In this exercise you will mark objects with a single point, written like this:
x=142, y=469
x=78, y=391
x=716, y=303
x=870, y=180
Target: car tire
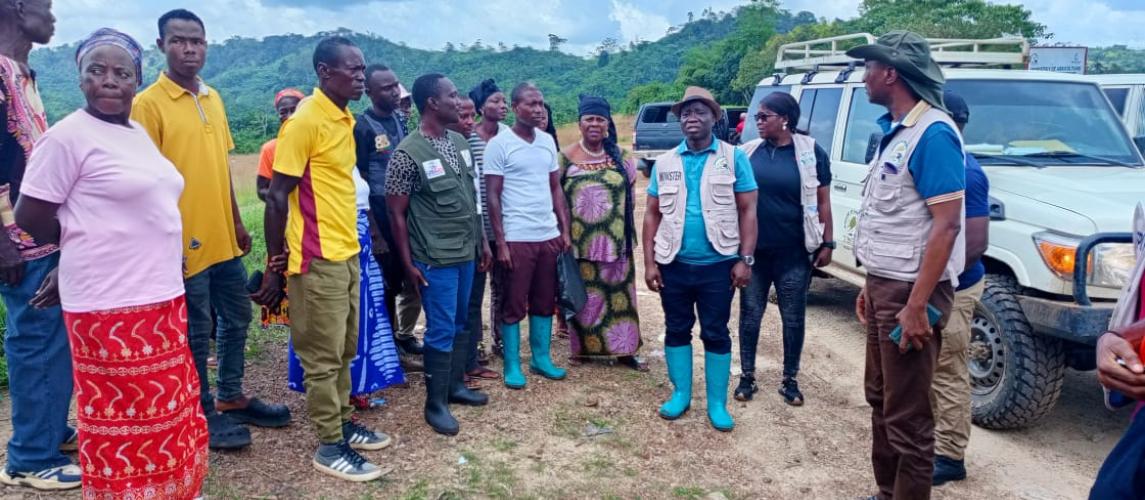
x=1015, y=374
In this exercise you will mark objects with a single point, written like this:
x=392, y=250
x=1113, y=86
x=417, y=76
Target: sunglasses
x=762, y=117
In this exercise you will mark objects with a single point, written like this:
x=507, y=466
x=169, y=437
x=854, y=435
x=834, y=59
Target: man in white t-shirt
x=531, y=227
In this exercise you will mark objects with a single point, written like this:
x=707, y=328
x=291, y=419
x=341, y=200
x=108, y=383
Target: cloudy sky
x=432, y=23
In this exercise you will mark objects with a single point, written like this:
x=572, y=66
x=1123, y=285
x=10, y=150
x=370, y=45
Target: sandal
x=483, y=373
x=634, y=362
x=471, y=383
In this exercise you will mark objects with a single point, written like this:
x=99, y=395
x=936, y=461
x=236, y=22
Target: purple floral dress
x=609, y=325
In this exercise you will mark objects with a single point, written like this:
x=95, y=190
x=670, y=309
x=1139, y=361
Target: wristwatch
x=748, y=259
x=828, y=244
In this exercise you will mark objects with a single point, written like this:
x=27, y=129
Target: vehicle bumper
x=1067, y=320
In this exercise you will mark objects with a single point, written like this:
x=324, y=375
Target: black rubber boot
x=437, y=381
x=458, y=393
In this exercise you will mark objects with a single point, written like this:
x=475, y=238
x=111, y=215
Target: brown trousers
x=898, y=390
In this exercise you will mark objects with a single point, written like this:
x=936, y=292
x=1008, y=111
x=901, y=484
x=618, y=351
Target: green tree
x=947, y=19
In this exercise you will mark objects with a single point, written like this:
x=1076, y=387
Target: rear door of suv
x=657, y=128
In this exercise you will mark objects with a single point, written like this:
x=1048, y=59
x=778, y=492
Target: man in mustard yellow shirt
x=186, y=119
x=311, y=210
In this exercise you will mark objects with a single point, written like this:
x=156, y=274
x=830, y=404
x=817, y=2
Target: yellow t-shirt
x=317, y=146
x=192, y=131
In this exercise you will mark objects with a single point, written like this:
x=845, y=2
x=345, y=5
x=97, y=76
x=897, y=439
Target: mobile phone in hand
x=932, y=316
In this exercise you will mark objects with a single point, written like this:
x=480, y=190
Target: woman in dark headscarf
x=598, y=179
x=492, y=108
x=141, y=429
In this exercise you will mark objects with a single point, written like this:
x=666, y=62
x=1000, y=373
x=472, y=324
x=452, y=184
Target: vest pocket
x=886, y=195
x=723, y=190
x=727, y=233
x=451, y=238
x=446, y=195
x=669, y=199
x=898, y=257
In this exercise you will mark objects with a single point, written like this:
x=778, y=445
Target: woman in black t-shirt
x=781, y=257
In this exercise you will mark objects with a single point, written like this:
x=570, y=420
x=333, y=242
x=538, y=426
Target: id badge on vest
x=433, y=168
x=382, y=143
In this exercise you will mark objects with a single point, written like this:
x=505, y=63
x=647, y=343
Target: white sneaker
x=64, y=477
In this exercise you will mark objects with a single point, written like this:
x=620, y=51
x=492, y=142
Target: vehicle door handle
x=840, y=187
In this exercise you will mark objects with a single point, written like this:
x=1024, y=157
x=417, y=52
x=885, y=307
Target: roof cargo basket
x=814, y=55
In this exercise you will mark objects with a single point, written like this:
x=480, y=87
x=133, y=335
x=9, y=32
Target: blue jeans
x=446, y=302
x=790, y=271
x=39, y=373
x=706, y=291
x=222, y=287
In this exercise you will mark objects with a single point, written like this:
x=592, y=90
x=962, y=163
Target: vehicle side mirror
x=1140, y=142
x=873, y=145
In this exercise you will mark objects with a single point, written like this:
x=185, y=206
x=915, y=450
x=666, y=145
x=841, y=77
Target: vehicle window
x=1047, y=123
x=861, y=123
x=1139, y=130
x=658, y=114
x=750, y=132
x=806, y=103
x=1118, y=97
x=821, y=124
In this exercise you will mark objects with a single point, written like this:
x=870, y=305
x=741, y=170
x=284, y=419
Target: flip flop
x=483, y=373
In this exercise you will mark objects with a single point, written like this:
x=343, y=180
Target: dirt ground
x=547, y=442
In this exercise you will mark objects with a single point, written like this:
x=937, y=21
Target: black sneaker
x=411, y=345
x=226, y=434
x=64, y=477
x=361, y=438
x=746, y=388
x=259, y=414
x=341, y=461
x=790, y=392
x=947, y=469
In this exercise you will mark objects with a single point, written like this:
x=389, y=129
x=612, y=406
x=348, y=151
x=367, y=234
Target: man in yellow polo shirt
x=311, y=210
x=186, y=119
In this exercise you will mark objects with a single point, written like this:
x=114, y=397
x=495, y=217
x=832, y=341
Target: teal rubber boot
x=511, y=341
x=679, y=360
x=540, y=340
x=717, y=370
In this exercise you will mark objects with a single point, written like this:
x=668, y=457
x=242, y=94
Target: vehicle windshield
x=1045, y=123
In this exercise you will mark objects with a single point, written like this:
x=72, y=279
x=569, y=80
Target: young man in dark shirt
x=377, y=133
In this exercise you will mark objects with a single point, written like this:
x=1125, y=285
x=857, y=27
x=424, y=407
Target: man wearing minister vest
x=909, y=240
x=699, y=234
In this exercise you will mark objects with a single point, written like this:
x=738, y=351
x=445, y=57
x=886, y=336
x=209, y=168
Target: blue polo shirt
x=937, y=164
x=977, y=205
x=695, y=248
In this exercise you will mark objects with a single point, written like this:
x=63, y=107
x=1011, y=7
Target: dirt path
x=540, y=442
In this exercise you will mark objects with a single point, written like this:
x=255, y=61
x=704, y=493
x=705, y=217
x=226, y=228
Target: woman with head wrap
x=285, y=102
x=598, y=178
x=492, y=108
x=97, y=184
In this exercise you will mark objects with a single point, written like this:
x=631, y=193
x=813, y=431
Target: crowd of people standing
x=373, y=219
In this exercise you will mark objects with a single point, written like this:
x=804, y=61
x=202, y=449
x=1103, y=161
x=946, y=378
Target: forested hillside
x=727, y=52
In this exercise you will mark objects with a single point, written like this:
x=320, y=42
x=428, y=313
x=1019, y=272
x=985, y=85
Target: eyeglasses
x=762, y=117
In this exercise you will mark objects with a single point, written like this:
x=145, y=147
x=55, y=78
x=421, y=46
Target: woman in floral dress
x=598, y=179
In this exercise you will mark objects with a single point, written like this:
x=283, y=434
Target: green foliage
x=1116, y=59
x=947, y=19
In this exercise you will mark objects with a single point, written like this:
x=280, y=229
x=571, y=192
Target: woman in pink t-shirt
x=97, y=184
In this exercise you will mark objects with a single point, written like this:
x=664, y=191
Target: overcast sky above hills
x=430, y=24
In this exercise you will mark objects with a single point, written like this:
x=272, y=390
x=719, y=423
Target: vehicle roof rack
x=815, y=55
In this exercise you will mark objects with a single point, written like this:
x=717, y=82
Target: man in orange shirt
x=285, y=102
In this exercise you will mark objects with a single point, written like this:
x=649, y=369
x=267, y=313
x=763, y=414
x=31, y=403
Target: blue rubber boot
x=540, y=338
x=679, y=361
x=511, y=341
x=717, y=370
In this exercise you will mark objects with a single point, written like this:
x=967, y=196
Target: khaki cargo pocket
x=723, y=190
x=727, y=234
x=886, y=195
x=899, y=257
x=669, y=199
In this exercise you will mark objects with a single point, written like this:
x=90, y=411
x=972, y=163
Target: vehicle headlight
x=1109, y=264
x=1112, y=265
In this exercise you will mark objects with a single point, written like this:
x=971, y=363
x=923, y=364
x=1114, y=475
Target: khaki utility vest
x=808, y=183
x=894, y=220
x=717, y=199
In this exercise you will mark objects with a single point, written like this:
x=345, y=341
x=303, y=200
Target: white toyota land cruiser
x=1064, y=180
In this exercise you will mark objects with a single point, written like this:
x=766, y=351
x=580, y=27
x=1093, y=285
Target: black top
x=780, y=208
x=371, y=160
x=11, y=155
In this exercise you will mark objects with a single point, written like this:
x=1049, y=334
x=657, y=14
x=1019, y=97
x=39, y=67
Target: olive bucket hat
x=909, y=54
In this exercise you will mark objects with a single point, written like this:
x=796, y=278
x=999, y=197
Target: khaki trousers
x=950, y=393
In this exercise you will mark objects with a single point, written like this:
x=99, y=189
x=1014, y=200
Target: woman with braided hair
x=597, y=178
